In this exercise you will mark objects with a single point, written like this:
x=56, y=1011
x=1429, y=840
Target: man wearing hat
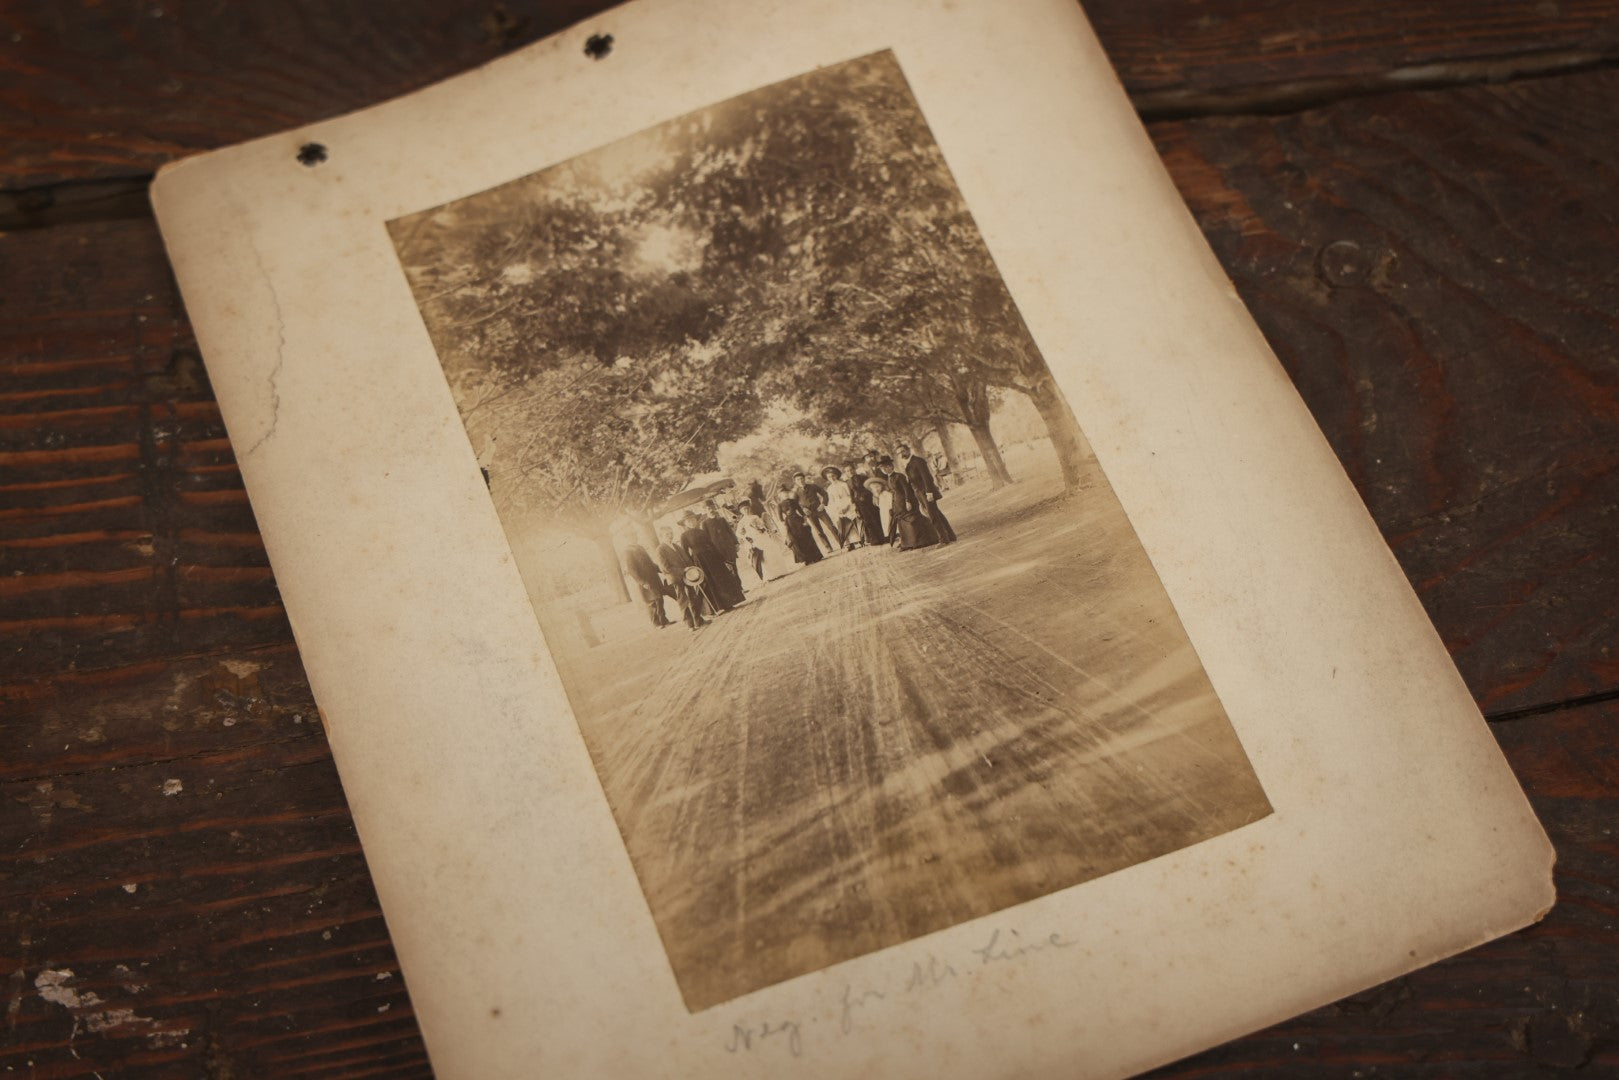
x=673, y=560
x=927, y=491
x=722, y=591
x=648, y=580
x=723, y=537
x=811, y=497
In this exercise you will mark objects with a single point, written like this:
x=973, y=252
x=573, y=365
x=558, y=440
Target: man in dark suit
x=811, y=497
x=723, y=537
x=927, y=491
x=649, y=581
x=722, y=592
x=673, y=560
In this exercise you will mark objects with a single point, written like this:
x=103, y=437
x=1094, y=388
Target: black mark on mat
x=311, y=154
x=598, y=46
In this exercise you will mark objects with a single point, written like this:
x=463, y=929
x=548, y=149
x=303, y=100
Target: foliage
x=789, y=441
x=607, y=324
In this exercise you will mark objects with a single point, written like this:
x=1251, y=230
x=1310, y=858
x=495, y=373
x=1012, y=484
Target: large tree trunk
x=949, y=449
x=1066, y=438
x=916, y=438
x=974, y=401
x=998, y=476
x=610, y=564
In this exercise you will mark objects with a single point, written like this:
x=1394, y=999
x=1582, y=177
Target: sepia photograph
x=860, y=640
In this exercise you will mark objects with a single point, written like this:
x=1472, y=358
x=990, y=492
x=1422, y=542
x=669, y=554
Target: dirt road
x=889, y=743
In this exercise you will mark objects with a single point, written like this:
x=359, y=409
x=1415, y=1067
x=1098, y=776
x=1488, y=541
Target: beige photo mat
x=888, y=735
x=1398, y=833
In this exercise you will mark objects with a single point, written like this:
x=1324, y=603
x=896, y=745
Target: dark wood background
x=1419, y=203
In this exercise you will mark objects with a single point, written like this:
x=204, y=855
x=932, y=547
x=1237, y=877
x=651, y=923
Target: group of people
x=873, y=501
x=697, y=568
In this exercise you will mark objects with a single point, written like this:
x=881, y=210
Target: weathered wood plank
x=179, y=843
x=1459, y=356
x=1535, y=1003
x=1212, y=56
x=1467, y=378
x=1436, y=273
x=124, y=530
x=92, y=91
x=235, y=920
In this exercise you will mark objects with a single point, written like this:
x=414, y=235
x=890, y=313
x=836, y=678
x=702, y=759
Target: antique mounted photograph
x=860, y=641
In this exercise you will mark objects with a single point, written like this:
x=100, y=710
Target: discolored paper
x=1162, y=749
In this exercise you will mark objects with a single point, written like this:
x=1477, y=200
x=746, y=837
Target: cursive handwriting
x=851, y=1003
x=1002, y=947
x=742, y=1037
x=934, y=972
x=994, y=950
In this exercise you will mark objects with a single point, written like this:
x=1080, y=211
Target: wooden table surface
x=1419, y=203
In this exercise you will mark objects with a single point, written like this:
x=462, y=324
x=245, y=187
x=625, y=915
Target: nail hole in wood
x=311, y=154
x=598, y=46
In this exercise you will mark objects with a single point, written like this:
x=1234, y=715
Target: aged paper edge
x=239, y=336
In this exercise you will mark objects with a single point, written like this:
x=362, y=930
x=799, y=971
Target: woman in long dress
x=883, y=500
x=870, y=521
x=911, y=528
x=799, y=537
x=840, y=506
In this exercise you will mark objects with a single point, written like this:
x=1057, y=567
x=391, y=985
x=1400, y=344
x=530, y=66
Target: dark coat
x=699, y=548
x=911, y=527
x=921, y=478
x=799, y=537
x=720, y=584
x=642, y=568
x=811, y=496
x=693, y=605
x=904, y=494
x=673, y=559
x=857, y=486
x=871, y=518
x=722, y=536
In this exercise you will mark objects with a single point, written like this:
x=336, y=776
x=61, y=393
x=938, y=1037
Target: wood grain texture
x=1436, y=273
x=125, y=534
x=1194, y=57
x=1540, y=1003
x=1445, y=305
x=251, y=944
x=92, y=91
x=183, y=892
x=1434, y=269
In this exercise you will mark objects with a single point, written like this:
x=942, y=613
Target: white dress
x=884, y=499
x=839, y=499
x=778, y=559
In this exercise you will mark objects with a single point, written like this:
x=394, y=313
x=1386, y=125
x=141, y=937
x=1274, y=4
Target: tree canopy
x=608, y=323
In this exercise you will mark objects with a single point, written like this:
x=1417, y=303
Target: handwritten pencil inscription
x=744, y=1037
x=865, y=1002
